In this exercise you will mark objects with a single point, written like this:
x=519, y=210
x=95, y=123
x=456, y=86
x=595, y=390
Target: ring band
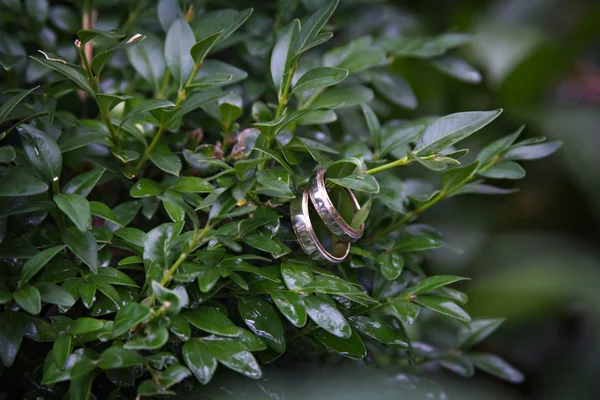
x=327, y=212
x=306, y=234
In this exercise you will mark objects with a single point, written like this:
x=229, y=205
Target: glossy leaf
x=377, y=329
x=443, y=306
x=233, y=355
x=391, y=265
x=212, y=321
x=29, y=299
x=77, y=208
x=405, y=311
x=83, y=183
x=83, y=245
x=199, y=360
x=352, y=347
x=178, y=44
x=318, y=78
x=496, y=366
x=145, y=188
x=262, y=319
x=42, y=151
x=291, y=306
x=129, y=316
x=118, y=357
x=451, y=129
x=282, y=56
x=327, y=316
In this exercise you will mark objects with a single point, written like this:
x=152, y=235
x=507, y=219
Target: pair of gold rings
x=336, y=222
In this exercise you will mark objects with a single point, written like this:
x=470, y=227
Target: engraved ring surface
x=306, y=234
x=327, y=212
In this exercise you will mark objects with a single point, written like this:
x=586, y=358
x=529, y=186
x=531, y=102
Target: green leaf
x=426, y=47
x=77, y=208
x=156, y=250
x=533, y=152
x=452, y=179
x=86, y=325
x=443, y=306
x=61, y=350
x=192, y=184
x=263, y=243
x=291, y=306
x=83, y=184
x=168, y=12
x=42, y=151
x=405, y=311
x=373, y=125
x=504, y=170
x=394, y=88
x=7, y=154
x=83, y=245
x=145, y=188
x=296, y=274
x=318, y=78
x=54, y=294
x=148, y=60
x=165, y=159
x=212, y=321
x=497, y=147
x=29, y=299
x=127, y=317
x=200, y=50
x=103, y=211
x=132, y=235
x=180, y=327
x=327, y=316
x=87, y=292
x=430, y=164
x=73, y=72
x=11, y=336
x=457, y=68
x=361, y=215
x=11, y=103
x=390, y=264
x=459, y=364
x=199, y=360
x=153, y=338
x=107, y=102
x=179, y=42
x=416, y=243
x=377, y=329
x=85, y=35
x=314, y=24
x=262, y=319
x=34, y=264
x=100, y=60
x=352, y=347
x=233, y=355
x=477, y=331
x=117, y=357
x=431, y=283
x=496, y=366
x=360, y=182
x=174, y=299
x=451, y=129
x=112, y=276
x=283, y=55
x=17, y=183
x=79, y=137
x=344, y=96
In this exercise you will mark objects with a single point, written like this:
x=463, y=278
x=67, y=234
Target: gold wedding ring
x=304, y=229
x=328, y=213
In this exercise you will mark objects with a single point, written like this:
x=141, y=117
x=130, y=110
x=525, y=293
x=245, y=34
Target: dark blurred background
x=533, y=256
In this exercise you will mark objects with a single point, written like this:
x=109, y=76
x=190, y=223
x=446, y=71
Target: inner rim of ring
x=320, y=179
x=338, y=247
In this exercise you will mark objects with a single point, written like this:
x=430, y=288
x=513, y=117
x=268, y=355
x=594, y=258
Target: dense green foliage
x=144, y=222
